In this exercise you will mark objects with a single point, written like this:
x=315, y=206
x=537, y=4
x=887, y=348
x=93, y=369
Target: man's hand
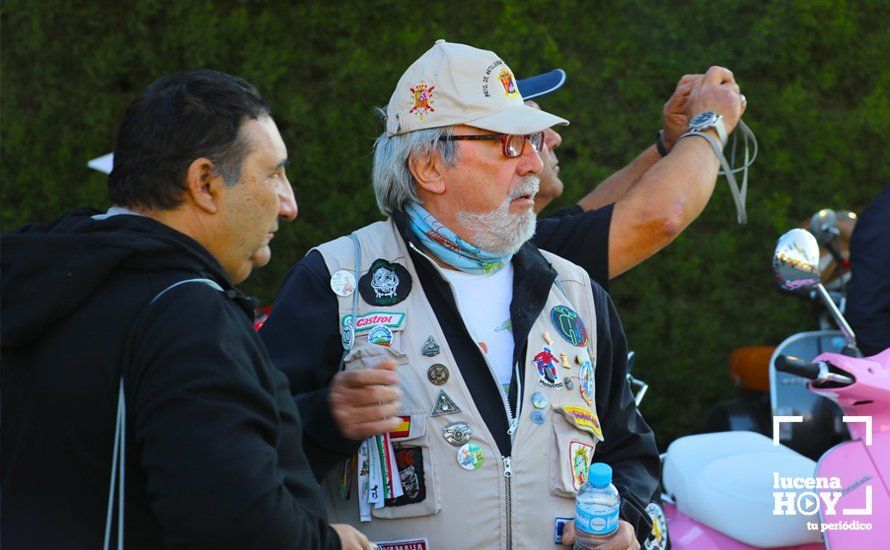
x=364, y=401
x=676, y=121
x=716, y=91
x=351, y=539
x=624, y=539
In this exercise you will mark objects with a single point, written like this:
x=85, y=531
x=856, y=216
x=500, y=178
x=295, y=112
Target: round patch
x=569, y=325
x=586, y=385
x=380, y=335
x=438, y=374
x=537, y=417
x=385, y=284
x=470, y=456
x=457, y=433
x=343, y=283
x=539, y=400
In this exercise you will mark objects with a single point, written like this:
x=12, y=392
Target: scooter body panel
x=688, y=534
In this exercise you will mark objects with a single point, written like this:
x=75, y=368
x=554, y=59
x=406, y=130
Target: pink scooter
x=740, y=490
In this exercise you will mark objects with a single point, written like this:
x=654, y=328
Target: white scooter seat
x=725, y=481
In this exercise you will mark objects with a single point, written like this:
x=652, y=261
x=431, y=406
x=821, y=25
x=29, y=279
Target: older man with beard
x=492, y=370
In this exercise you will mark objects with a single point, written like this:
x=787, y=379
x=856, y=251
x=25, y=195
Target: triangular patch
x=444, y=405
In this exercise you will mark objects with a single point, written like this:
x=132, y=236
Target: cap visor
x=521, y=119
x=542, y=84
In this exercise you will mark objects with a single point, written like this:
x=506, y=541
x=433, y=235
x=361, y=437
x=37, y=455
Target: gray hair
x=394, y=185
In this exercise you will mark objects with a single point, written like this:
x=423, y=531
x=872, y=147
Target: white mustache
x=528, y=186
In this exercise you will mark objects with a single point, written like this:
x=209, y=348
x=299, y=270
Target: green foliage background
x=815, y=74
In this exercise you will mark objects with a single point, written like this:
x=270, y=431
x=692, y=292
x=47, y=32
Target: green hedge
x=815, y=74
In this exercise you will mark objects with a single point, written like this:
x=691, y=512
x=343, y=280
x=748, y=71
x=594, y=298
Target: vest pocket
x=571, y=454
x=417, y=472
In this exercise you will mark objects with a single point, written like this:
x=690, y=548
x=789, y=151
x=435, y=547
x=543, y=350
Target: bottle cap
x=600, y=475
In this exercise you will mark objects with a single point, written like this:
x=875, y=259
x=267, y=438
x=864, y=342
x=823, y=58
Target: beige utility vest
x=510, y=502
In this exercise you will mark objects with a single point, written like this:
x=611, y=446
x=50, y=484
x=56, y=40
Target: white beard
x=499, y=231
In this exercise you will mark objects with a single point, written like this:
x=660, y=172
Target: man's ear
x=202, y=185
x=428, y=171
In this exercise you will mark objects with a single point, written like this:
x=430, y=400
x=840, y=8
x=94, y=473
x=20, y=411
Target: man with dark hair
x=639, y=209
x=135, y=310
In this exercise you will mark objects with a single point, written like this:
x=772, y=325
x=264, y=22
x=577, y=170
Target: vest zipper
x=508, y=475
x=513, y=419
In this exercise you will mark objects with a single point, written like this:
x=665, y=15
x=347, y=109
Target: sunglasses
x=512, y=144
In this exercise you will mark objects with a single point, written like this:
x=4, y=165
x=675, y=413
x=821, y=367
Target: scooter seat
x=725, y=481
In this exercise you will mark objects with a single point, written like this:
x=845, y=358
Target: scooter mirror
x=796, y=261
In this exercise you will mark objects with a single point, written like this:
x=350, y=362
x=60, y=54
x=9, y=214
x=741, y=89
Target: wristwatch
x=707, y=120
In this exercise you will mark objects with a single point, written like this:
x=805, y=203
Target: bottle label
x=599, y=520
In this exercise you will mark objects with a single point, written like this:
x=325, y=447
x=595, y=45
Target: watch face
x=703, y=120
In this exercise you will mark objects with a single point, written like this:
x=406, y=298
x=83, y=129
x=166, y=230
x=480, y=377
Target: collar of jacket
x=533, y=277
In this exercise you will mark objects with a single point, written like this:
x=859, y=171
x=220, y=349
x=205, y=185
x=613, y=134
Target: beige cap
x=458, y=84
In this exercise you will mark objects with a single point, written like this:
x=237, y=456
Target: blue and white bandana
x=450, y=248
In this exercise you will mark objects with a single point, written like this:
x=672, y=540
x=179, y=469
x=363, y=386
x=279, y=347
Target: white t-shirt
x=484, y=303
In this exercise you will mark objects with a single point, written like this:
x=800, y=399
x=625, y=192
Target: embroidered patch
x=580, y=455
x=380, y=335
x=546, y=363
x=569, y=325
x=406, y=544
x=422, y=94
x=430, y=347
x=409, y=461
x=444, y=405
x=403, y=429
x=343, y=283
x=559, y=528
x=506, y=78
x=393, y=320
x=586, y=382
x=385, y=284
x=582, y=418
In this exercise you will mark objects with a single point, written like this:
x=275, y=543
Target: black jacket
x=302, y=337
x=213, y=438
x=579, y=236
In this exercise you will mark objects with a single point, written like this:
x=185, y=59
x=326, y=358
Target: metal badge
x=537, y=417
x=430, y=347
x=539, y=400
x=470, y=456
x=438, y=374
x=457, y=433
x=348, y=336
x=444, y=405
x=570, y=384
x=343, y=283
x=565, y=361
x=380, y=335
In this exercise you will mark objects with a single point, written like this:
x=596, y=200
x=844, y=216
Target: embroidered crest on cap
x=506, y=78
x=582, y=418
x=580, y=455
x=385, y=284
x=422, y=94
x=444, y=405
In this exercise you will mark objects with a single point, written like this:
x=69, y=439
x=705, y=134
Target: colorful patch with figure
x=569, y=325
x=546, y=363
x=586, y=382
x=580, y=456
x=582, y=418
x=509, y=83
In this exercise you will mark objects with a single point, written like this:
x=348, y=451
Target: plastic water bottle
x=596, y=508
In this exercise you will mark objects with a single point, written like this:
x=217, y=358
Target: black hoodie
x=213, y=450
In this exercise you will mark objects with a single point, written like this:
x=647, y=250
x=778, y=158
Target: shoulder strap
x=118, y=459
